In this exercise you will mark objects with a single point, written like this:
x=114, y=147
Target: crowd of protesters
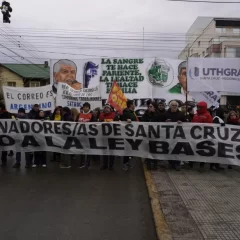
x=154, y=113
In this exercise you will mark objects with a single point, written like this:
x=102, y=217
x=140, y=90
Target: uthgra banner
x=221, y=74
x=19, y=97
x=165, y=141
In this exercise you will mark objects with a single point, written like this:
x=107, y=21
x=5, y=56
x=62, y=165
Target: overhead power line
x=200, y=1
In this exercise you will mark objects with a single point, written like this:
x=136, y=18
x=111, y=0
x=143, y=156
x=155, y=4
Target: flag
x=116, y=98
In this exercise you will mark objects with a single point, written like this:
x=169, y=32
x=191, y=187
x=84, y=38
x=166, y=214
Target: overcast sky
x=107, y=15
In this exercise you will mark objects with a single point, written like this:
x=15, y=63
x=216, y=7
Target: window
x=230, y=52
x=199, y=44
x=11, y=84
x=236, y=31
x=35, y=84
x=221, y=30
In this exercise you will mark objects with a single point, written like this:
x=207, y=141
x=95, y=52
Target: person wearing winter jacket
x=86, y=116
x=174, y=115
x=4, y=114
x=108, y=115
x=65, y=161
x=232, y=119
x=33, y=114
x=40, y=157
x=56, y=116
x=202, y=116
x=28, y=155
x=129, y=116
x=184, y=109
x=151, y=115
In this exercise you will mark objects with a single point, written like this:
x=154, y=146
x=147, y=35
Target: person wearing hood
x=108, y=115
x=174, y=115
x=202, y=116
x=33, y=114
x=129, y=116
x=4, y=114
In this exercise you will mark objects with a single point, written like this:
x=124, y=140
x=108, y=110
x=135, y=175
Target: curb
x=163, y=232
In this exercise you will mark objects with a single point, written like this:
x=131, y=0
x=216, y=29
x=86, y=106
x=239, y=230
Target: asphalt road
x=69, y=204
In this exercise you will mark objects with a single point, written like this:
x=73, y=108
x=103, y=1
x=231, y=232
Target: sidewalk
x=200, y=205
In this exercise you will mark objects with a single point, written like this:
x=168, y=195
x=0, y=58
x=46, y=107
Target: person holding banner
x=151, y=115
x=174, y=115
x=4, y=114
x=86, y=116
x=28, y=156
x=33, y=114
x=66, y=159
x=129, y=116
x=56, y=116
x=108, y=115
x=202, y=116
x=40, y=158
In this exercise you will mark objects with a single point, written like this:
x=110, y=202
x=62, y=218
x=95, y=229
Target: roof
x=202, y=22
x=38, y=71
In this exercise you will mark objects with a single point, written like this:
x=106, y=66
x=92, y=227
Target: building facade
x=214, y=38
x=23, y=75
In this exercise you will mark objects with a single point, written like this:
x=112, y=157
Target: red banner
x=116, y=98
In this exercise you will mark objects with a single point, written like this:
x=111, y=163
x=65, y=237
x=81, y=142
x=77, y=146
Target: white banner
x=139, y=78
x=69, y=97
x=18, y=97
x=222, y=74
x=211, y=98
x=163, y=141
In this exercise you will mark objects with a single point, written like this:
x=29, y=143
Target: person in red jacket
x=202, y=116
x=108, y=115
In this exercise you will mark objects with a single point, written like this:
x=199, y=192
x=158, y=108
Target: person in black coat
x=4, y=115
x=174, y=115
x=66, y=159
x=151, y=115
x=33, y=114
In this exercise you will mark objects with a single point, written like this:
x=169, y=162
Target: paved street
x=200, y=205
x=73, y=204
